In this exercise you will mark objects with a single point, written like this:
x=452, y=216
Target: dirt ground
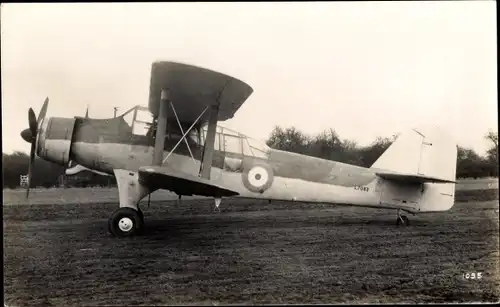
x=250, y=253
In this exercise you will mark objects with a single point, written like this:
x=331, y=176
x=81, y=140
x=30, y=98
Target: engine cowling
x=55, y=138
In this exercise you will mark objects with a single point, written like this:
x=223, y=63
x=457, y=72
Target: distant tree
x=44, y=173
x=492, y=153
x=88, y=179
x=466, y=154
x=326, y=145
x=371, y=153
x=352, y=152
x=469, y=164
x=276, y=138
x=289, y=139
x=14, y=165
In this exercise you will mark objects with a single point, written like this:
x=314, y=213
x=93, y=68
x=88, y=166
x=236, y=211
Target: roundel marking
x=258, y=177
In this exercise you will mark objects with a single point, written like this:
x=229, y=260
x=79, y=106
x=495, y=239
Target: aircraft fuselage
x=107, y=144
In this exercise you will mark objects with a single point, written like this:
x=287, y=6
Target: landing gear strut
x=128, y=220
x=402, y=219
x=217, y=204
x=125, y=222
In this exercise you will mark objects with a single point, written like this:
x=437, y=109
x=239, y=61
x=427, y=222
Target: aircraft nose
x=26, y=135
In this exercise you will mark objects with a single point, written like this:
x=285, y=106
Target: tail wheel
x=403, y=220
x=125, y=222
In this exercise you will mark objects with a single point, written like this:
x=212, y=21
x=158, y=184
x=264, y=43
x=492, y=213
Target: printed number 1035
x=473, y=275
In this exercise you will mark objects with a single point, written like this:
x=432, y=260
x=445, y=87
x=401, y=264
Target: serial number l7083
x=364, y=189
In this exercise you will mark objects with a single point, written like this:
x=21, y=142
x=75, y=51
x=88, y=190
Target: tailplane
x=425, y=158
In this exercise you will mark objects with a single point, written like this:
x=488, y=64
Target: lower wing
x=181, y=183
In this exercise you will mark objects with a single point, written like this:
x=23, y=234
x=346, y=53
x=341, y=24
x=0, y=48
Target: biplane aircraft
x=181, y=148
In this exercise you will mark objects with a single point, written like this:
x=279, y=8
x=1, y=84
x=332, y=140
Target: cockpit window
x=139, y=119
x=232, y=141
x=143, y=121
x=255, y=148
x=129, y=117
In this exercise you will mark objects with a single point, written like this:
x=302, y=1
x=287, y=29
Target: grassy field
x=477, y=184
x=250, y=253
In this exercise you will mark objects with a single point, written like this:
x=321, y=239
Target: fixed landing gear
x=128, y=220
x=402, y=220
x=217, y=204
x=141, y=215
x=125, y=222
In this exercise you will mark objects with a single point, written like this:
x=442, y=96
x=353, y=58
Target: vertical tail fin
x=429, y=154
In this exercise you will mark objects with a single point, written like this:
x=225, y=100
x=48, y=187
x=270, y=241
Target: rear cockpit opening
x=140, y=120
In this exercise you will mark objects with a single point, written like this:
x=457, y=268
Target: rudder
x=429, y=152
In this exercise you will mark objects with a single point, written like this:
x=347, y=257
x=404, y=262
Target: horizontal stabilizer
x=411, y=178
x=181, y=183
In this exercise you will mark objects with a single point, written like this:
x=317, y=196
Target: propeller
x=30, y=135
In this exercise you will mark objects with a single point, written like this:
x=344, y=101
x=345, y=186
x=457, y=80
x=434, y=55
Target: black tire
x=128, y=217
x=141, y=216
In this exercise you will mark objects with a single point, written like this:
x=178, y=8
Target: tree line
x=326, y=145
x=329, y=145
x=45, y=174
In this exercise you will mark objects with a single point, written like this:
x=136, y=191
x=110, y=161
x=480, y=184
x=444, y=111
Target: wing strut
x=209, y=142
x=185, y=133
x=180, y=127
x=161, y=128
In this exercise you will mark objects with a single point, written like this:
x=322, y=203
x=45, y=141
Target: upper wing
x=192, y=89
x=411, y=178
x=180, y=183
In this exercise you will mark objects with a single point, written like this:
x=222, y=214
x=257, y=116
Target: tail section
x=419, y=168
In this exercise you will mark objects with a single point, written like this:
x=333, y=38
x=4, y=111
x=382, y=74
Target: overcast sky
x=366, y=69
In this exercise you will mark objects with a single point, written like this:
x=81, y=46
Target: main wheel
x=125, y=222
x=141, y=215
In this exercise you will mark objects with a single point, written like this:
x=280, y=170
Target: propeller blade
x=31, y=134
x=32, y=122
x=41, y=117
x=43, y=110
x=31, y=166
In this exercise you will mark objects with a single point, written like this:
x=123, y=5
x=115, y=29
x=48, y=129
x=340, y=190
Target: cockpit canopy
x=140, y=119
